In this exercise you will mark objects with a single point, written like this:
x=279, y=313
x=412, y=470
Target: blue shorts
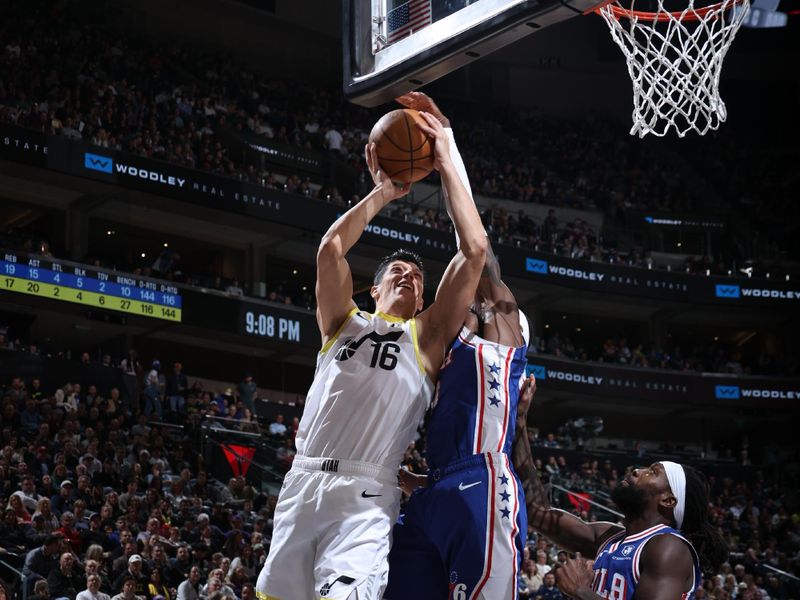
x=462, y=536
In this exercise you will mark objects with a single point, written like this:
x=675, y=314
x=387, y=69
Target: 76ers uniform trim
x=333, y=521
x=616, y=567
x=463, y=535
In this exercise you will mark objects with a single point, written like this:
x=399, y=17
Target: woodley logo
x=727, y=291
x=735, y=291
x=541, y=373
x=726, y=392
x=95, y=162
x=735, y=392
x=541, y=267
x=536, y=266
x=105, y=164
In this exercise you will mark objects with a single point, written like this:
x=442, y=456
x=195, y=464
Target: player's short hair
x=401, y=254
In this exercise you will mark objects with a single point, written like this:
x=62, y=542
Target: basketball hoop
x=675, y=62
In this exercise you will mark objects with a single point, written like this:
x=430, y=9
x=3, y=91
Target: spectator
x=40, y=590
x=179, y=566
x=189, y=589
x=134, y=571
x=548, y=590
x=40, y=561
x=157, y=587
x=92, y=591
x=277, y=428
x=63, y=502
x=154, y=386
x=177, y=387
x=18, y=507
x=131, y=375
x=247, y=392
x=12, y=533
x=69, y=534
x=531, y=580
x=65, y=580
x=128, y=590
x=541, y=563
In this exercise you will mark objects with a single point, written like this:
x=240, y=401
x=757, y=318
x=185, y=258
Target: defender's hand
x=408, y=482
x=422, y=102
x=526, y=392
x=441, y=143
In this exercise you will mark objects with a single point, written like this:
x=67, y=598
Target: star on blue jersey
x=494, y=368
x=494, y=401
x=504, y=480
x=506, y=513
x=505, y=496
x=494, y=385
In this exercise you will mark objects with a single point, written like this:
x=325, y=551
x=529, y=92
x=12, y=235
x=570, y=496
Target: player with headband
x=463, y=534
x=657, y=553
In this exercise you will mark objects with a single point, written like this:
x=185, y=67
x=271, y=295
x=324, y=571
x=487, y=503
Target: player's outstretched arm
x=491, y=286
x=566, y=530
x=441, y=321
x=334, y=286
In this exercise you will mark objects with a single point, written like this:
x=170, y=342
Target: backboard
x=395, y=46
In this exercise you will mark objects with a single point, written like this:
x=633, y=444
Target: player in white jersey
x=374, y=379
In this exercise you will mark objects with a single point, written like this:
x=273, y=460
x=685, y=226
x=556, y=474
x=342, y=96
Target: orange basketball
x=405, y=153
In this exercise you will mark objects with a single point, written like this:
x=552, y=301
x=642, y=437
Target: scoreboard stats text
x=70, y=282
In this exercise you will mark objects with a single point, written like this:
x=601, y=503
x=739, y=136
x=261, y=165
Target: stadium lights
x=708, y=272
x=787, y=277
x=143, y=255
x=294, y=271
x=166, y=245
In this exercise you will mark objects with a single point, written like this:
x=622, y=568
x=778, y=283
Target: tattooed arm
x=566, y=530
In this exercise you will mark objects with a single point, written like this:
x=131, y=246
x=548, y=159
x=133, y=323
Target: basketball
x=404, y=152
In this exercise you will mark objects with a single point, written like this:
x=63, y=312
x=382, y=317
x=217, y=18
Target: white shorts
x=332, y=532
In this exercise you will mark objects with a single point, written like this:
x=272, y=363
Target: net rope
x=675, y=62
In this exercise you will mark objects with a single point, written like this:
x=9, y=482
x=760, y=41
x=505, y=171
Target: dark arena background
x=167, y=170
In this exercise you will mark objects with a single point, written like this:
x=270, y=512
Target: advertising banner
x=228, y=194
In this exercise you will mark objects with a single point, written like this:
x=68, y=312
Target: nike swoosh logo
x=364, y=494
x=462, y=487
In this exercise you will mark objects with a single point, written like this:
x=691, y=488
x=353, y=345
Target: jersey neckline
x=471, y=338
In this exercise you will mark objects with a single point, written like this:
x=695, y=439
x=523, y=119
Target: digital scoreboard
x=80, y=284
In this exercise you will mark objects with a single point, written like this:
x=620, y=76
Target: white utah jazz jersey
x=369, y=394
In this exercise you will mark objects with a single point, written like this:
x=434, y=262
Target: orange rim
x=693, y=15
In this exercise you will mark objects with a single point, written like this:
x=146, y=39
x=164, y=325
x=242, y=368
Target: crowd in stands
x=179, y=104
x=711, y=358
x=102, y=497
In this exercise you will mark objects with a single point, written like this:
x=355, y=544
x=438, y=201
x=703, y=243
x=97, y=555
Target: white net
x=675, y=62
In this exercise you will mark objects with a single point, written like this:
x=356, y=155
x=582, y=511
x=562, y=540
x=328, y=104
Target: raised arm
x=334, y=287
x=564, y=529
x=491, y=287
x=441, y=321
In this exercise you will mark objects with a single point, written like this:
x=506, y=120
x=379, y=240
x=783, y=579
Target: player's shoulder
x=667, y=551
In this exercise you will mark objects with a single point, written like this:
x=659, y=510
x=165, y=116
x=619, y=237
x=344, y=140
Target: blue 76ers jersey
x=616, y=568
x=475, y=406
